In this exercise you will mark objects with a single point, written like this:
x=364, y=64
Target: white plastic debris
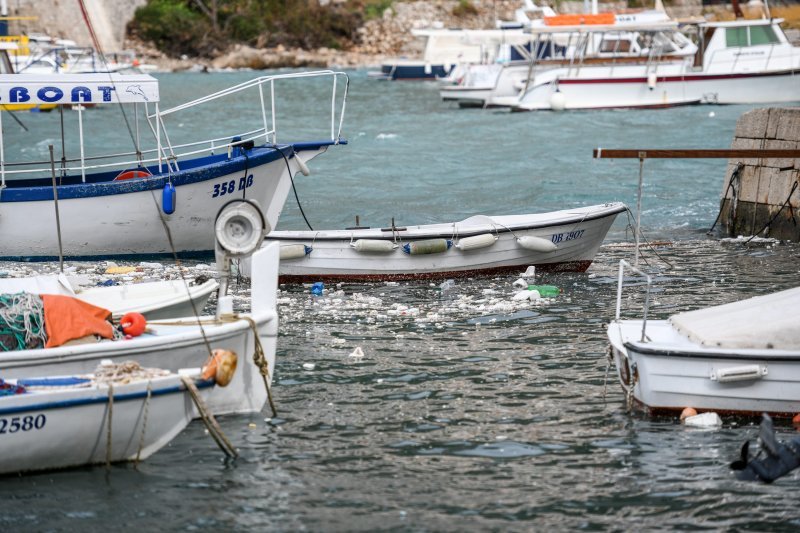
x=309, y=366
x=530, y=272
x=703, y=420
x=520, y=284
x=527, y=295
x=358, y=353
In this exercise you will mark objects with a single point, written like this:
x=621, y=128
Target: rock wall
x=764, y=189
x=63, y=19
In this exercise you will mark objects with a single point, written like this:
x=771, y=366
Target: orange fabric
x=579, y=19
x=67, y=318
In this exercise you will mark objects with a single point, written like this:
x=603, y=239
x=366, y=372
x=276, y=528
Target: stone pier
x=762, y=197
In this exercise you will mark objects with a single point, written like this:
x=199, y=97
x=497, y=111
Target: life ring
x=132, y=174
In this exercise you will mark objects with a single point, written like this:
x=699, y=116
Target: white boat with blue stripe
x=79, y=420
x=118, y=204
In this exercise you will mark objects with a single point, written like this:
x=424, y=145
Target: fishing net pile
x=29, y=321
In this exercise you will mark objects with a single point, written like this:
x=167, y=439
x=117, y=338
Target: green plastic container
x=545, y=291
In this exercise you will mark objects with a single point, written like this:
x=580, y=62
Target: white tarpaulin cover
x=771, y=321
x=37, y=285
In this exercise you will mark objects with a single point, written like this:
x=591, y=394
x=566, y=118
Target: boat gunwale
x=607, y=210
x=202, y=169
x=99, y=398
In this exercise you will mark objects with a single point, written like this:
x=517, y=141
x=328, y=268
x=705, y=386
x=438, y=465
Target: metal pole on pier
x=58, y=218
x=642, y=154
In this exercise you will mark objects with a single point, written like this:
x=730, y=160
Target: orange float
x=133, y=324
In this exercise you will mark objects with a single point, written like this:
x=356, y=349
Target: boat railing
x=622, y=265
x=269, y=129
x=169, y=154
x=136, y=157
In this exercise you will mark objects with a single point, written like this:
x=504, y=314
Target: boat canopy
x=740, y=23
x=770, y=321
x=78, y=89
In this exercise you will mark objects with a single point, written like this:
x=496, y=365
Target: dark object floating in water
x=777, y=459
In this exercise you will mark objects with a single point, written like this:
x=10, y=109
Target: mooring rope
x=108, y=421
x=144, y=422
x=778, y=212
x=210, y=422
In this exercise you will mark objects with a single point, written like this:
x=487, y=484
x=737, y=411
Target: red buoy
x=133, y=324
x=131, y=174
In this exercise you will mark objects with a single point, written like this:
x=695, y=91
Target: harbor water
x=468, y=410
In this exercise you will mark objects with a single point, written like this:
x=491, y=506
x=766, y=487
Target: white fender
x=294, y=251
x=373, y=245
x=536, y=244
x=477, y=241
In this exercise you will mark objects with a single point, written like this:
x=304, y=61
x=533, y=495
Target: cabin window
x=615, y=45
x=762, y=35
x=749, y=36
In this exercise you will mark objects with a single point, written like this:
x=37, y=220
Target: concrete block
x=753, y=124
x=780, y=183
x=788, y=125
x=746, y=143
x=772, y=122
x=783, y=163
x=748, y=190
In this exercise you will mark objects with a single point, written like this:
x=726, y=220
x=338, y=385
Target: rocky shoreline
x=388, y=36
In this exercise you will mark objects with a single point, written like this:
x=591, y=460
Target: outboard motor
x=777, y=460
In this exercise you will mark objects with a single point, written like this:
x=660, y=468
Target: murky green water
x=468, y=411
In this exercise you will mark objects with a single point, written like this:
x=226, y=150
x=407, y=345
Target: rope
x=108, y=430
x=633, y=378
x=609, y=358
x=778, y=212
x=144, y=422
x=259, y=356
x=734, y=175
x=296, y=197
x=214, y=428
x=21, y=322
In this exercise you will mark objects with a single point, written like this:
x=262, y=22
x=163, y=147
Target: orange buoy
x=796, y=420
x=687, y=412
x=133, y=324
x=132, y=174
x=221, y=366
x=580, y=19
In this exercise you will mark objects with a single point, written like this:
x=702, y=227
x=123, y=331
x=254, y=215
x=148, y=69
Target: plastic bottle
x=317, y=288
x=545, y=291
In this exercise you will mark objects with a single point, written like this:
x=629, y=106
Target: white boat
x=154, y=299
x=741, y=357
x=120, y=204
x=78, y=420
x=736, y=62
x=446, y=50
x=550, y=44
x=480, y=245
x=184, y=343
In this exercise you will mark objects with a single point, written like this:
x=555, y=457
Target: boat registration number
x=24, y=423
x=568, y=236
x=229, y=187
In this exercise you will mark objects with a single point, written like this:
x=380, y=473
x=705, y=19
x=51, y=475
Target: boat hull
x=575, y=234
x=69, y=428
x=182, y=343
x=666, y=379
x=585, y=91
x=125, y=218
